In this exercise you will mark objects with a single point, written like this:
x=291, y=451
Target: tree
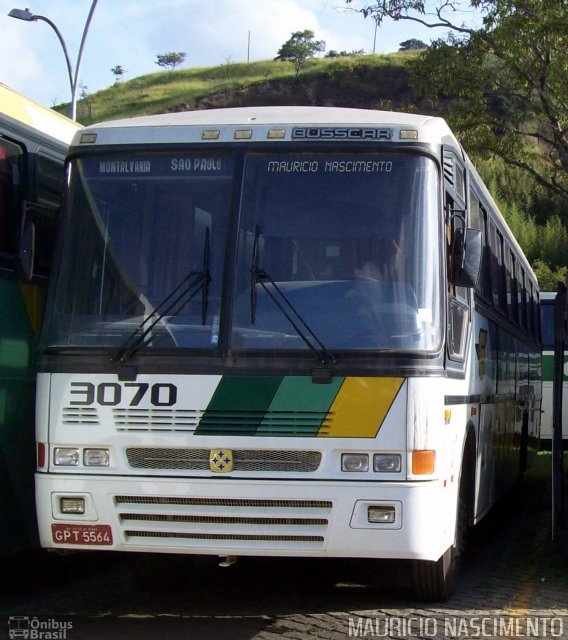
x=344, y=54
x=548, y=278
x=118, y=72
x=412, y=45
x=85, y=102
x=170, y=60
x=300, y=48
x=508, y=79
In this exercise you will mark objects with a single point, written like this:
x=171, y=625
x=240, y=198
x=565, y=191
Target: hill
x=538, y=219
x=364, y=81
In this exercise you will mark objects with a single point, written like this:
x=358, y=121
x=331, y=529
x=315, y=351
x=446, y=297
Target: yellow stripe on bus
x=361, y=406
x=34, y=299
x=35, y=115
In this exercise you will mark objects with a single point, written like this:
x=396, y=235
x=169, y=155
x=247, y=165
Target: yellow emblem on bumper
x=221, y=460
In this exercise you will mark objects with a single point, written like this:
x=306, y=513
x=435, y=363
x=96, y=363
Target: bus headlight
x=96, y=458
x=354, y=462
x=65, y=457
x=387, y=462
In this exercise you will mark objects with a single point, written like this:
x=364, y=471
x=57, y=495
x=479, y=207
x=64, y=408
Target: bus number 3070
x=111, y=394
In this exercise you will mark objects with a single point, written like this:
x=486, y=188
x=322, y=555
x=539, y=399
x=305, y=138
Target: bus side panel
x=547, y=385
x=17, y=450
x=434, y=427
x=535, y=405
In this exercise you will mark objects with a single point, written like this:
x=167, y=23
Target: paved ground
x=514, y=584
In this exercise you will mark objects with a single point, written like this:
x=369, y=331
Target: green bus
x=33, y=144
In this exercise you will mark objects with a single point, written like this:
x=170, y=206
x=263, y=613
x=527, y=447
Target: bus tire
x=435, y=580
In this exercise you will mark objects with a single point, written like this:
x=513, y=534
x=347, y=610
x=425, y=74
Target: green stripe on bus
x=17, y=349
x=238, y=405
x=548, y=368
x=299, y=407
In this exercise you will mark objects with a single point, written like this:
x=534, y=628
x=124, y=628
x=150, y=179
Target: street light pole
x=28, y=16
x=375, y=36
x=79, y=55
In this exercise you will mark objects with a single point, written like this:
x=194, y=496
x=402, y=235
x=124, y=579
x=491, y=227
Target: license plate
x=83, y=534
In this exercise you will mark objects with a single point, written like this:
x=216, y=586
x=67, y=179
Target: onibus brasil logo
x=35, y=628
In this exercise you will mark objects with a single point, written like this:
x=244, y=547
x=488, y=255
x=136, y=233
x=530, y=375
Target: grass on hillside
x=165, y=90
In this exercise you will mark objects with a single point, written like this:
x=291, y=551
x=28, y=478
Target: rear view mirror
x=466, y=257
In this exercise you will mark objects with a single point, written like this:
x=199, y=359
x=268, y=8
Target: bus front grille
x=164, y=458
x=133, y=419
x=80, y=416
x=217, y=422
x=218, y=523
x=217, y=536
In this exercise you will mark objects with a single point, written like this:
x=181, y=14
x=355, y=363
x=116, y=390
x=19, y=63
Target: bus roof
x=430, y=129
x=547, y=295
x=16, y=107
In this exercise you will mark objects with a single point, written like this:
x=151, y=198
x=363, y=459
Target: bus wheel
x=435, y=581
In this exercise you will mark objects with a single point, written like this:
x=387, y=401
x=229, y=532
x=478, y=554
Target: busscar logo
x=341, y=133
x=36, y=628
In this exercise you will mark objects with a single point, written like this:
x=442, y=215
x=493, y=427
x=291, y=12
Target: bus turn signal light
x=40, y=455
x=423, y=462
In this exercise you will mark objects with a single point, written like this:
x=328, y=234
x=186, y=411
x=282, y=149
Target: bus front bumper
x=412, y=520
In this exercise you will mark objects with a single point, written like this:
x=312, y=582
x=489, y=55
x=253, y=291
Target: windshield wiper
x=261, y=276
x=172, y=304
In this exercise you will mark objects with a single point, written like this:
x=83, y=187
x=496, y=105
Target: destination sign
x=158, y=166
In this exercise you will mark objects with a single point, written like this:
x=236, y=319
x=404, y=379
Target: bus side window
x=458, y=296
x=11, y=167
x=497, y=269
x=524, y=302
x=532, y=304
x=512, y=310
x=547, y=322
x=49, y=180
x=478, y=220
x=538, y=327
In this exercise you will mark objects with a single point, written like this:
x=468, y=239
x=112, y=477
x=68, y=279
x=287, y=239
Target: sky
x=131, y=33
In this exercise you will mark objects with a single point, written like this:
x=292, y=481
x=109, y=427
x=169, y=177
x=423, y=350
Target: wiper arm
x=260, y=276
x=172, y=304
x=180, y=296
x=253, y=274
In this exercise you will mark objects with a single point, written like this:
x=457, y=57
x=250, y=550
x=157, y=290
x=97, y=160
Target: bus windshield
x=341, y=246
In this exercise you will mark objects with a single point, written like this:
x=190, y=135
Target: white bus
x=33, y=144
x=547, y=299
x=266, y=335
